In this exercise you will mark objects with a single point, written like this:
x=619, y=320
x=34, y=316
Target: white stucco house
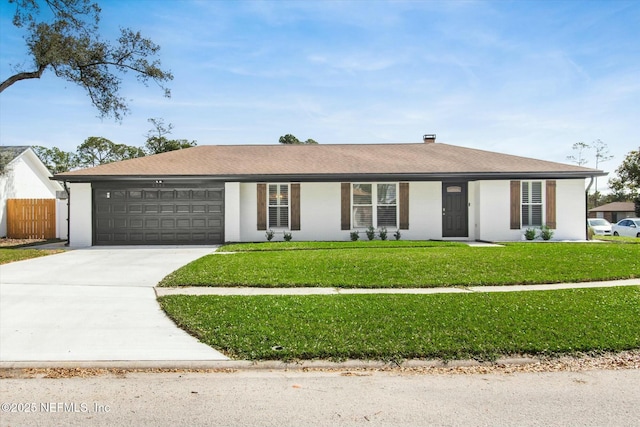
x=26, y=177
x=234, y=193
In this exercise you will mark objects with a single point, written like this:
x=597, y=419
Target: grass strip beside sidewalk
x=395, y=327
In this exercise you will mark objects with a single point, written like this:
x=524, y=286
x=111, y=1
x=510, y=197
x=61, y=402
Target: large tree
x=289, y=139
x=5, y=159
x=55, y=159
x=628, y=179
x=97, y=150
x=157, y=141
x=63, y=36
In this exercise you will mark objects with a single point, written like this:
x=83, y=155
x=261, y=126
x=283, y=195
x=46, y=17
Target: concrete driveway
x=94, y=304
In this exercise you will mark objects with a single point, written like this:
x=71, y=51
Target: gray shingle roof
x=324, y=161
x=615, y=207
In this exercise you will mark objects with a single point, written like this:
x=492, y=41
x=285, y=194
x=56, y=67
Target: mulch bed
x=5, y=243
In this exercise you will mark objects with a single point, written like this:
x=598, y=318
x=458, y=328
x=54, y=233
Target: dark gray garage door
x=128, y=215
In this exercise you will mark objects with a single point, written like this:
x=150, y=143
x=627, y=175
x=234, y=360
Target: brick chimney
x=429, y=138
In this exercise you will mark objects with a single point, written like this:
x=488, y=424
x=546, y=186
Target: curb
x=242, y=365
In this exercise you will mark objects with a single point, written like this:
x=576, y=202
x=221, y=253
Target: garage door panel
x=216, y=195
x=183, y=222
x=104, y=223
x=158, y=216
x=152, y=223
x=102, y=209
x=152, y=237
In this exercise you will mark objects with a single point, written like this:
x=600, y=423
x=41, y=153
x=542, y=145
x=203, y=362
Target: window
x=278, y=206
x=532, y=204
x=387, y=205
x=362, y=205
x=374, y=204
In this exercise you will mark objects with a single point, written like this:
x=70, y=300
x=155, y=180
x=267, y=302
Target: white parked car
x=600, y=226
x=629, y=227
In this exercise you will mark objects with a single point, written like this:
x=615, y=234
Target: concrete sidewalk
x=203, y=290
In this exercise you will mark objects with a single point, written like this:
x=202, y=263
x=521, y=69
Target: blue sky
x=529, y=78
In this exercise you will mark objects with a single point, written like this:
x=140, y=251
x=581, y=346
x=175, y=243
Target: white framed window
x=278, y=205
x=532, y=204
x=374, y=204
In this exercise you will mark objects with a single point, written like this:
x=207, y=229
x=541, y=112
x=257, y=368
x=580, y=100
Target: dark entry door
x=455, y=212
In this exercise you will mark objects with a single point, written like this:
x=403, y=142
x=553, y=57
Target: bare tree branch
x=22, y=76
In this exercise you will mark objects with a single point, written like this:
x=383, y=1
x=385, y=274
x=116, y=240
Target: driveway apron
x=94, y=304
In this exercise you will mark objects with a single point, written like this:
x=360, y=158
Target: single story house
x=614, y=212
x=235, y=193
x=25, y=177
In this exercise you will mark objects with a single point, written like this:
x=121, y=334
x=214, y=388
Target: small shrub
x=546, y=233
x=287, y=236
x=383, y=233
x=590, y=233
x=530, y=233
x=371, y=232
x=269, y=234
x=355, y=235
x=397, y=235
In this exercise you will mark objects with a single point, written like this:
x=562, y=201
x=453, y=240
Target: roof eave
x=323, y=177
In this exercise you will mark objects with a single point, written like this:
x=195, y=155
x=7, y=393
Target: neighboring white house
x=235, y=193
x=26, y=177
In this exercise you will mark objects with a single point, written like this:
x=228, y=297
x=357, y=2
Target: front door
x=455, y=212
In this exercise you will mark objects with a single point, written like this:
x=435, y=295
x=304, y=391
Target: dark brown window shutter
x=551, y=204
x=295, y=206
x=404, y=205
x=515, y=205
x=262, y=206
x=345, y=204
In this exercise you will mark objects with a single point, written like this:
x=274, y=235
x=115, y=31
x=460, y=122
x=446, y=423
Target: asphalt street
x=344, y=398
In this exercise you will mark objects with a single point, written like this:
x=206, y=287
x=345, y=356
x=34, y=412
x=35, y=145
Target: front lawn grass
x=396, y=327
x=11, y=255
x=435, y=264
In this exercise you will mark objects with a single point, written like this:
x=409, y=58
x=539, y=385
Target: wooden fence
x=31, y=218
